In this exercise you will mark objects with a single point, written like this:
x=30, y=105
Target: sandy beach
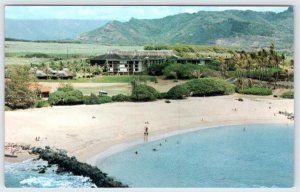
x=87, y=130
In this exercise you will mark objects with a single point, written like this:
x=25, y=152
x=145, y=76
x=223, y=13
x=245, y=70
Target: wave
x=26, y=174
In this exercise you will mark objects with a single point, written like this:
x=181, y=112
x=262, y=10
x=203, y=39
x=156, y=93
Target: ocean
x=250, y=156
x=25, y=174
x=231, y=156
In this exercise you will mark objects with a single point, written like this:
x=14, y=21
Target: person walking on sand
x=146, y=133
x=146, y=128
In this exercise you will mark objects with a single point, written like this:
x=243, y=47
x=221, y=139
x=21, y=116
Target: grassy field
x=25, y=61
x=111, y=86
x=53, y=49
x=18, y=52
x=15, y=51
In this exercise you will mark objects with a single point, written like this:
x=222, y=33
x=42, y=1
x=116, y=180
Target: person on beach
x=146, y=133
x=146, y=128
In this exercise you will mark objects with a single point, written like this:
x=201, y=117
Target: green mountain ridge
x=234, y=28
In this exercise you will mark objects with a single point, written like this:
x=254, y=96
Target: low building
x=42, y=90
x=52, y=74
x=199, y=61
x=130, y=62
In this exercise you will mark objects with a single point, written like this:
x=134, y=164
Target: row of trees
x=262, y=65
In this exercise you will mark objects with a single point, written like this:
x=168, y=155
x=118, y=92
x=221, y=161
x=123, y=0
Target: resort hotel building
x=130, y=62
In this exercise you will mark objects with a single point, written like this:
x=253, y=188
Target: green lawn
x=17, y=52
x=16, y=48
x=113, y=85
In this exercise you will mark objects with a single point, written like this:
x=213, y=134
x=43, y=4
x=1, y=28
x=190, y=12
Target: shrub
x=178, y=92
x=90, y=100
x=144, y=93
x=120, y=98
x=73, y=97
x=208, y=72
x=188, y=71
x=256, y=90
x=68, y=97
x=6, y=108
x=105, y=99
x=37, y=55
x=94, y=99
x=42, y=103
x=288, y=95
x=180, y=71
x=157, y=69
x=215, y=65
x=56, y=97
x=209, y=87
x=162, y=95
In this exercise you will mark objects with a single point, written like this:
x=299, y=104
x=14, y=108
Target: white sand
x=73, y=128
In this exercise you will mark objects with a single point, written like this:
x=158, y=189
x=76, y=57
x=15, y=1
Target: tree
x=238, y=60
x=223, y=66
x=18, y=91
x=275, y=60
x=99, y=70
x=137, y=80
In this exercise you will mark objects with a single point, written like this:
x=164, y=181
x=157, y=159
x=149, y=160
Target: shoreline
x=120, y=147
x=117, y=123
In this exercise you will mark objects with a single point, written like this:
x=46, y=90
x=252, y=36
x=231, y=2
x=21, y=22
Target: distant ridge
x=243, y=29
x=48, y=29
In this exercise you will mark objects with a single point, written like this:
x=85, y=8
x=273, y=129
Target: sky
x=121, y=13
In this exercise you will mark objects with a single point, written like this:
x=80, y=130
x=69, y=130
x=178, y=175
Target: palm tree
x=275, y=61
x=223, y=66
x=238, y=61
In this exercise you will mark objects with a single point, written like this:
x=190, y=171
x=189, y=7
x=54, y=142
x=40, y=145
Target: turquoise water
x=25, y=174
x=231, y=156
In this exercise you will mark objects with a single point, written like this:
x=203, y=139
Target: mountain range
x=48, y=29
x=234, y=28
x=230, y=28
